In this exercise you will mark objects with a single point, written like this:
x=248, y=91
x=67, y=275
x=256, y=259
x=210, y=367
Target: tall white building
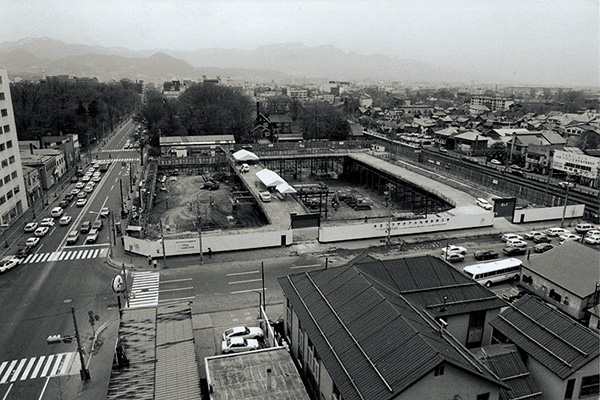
x=13, y=196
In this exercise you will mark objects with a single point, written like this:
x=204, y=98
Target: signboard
x=118, y=284
x=576, y=163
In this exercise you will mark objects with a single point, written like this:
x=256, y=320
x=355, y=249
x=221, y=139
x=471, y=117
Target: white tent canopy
x=269, y=178
x=245, y=155
x=285, y=188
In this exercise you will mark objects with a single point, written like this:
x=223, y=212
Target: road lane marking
x=8, y=372
x=259, y=290
x=47, y=366
x=17, y=371
x=44, y=389
x=177, y=280
x=2, y=366
x=37, y=367
x=28, y=368
x=306, y=266
x=246, y=281
x=7, y=392
x=243, y=273
x=176, y=289
x=177, y=299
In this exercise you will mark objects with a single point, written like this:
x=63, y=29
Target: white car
x=508, y=236
x=592, y=239
x=65, y=220
x=82, y=195
x=237, y=344
x=516, y=243
x=495, y=162
x=455, y=257
x=532, y=234
x=96, y=179
x=246, y=332
x=47, y=222
x=105, y=212
x=569, y=236
x=265, y=196
x=557, y=231
x=9, y=263
x=32, y=241
x=56, y=212
x=30, y=227
x=81, y=202
x=79, y=185
x=75, y=192
x=86, y=178
x=483, y=203
x=592, y=233
x=41, y=231
x=92, y=236
x=88, y=189
x=454, y=249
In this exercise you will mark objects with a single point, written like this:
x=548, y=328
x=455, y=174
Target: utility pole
x=85, y=374
x=199, y=222
x=121, y=191
x=568, y=184
x=162, y=239
x=262, y=274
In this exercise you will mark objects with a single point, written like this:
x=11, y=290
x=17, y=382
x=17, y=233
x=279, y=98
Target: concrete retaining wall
x=547, y=213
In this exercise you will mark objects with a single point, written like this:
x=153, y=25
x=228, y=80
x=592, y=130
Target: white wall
x=224, y=241
x=547, y=213
x=433, y=223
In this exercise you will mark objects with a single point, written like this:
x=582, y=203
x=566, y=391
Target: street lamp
x=567, y=185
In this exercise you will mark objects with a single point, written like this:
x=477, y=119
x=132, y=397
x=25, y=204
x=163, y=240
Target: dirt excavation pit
x=185, y=202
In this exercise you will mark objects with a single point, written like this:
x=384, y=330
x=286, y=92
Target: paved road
x=37, y=295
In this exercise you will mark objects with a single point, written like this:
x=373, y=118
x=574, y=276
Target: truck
x=104, y=166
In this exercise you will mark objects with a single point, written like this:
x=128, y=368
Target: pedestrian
x=209, y=252
x=154, y=263
x=149, y=259
x=366, y=218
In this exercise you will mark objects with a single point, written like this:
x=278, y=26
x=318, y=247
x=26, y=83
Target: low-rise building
x=560, y=354
x=493, y=103
x=574, y=164
x=188, y=146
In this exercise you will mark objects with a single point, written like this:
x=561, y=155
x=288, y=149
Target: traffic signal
x=54, y=339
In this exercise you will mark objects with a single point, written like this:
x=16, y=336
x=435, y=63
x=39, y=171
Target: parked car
x=9, y=263
x=30, y=227
x=65, y=220
x=542, y=247
x=236, y=345
x=556, y=231
x=508, y=236
x=533, y=234
x=455, y=257
x=73, y=236
x=97, y=224
x=92, y=236
x=516, y=243
x=245, y=168
x=246, y=332
x=495, y=162
x=568, y=236
x=593, y=232
x=86, y=226
x=592, y=239
x=454, y=249
x=32, y=241
x=47, y=222
x=41, y=231
x=541, y=239
x=514, y=251
x=265, y=196
x=513, y=294
x=584, y=228
x=483, y=203
x=486, y=254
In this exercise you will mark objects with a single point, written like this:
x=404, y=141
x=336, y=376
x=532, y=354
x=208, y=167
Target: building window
x=9, y=144
x=6, y=128
x=484, y=396
x=14, y=174
x=2, y=200
x=569, y=389
x=300, y=345
x=554, y=296
x=288, y=320
x=4, y=163
x=312, y=361
x=11, y=159
x=439, y=370
x=527, y=279
x=9, y=195
x=4, y=112
x=590, y=385
x=6, y=178
x=17, y=189
x=1, y=95
x=2, y=146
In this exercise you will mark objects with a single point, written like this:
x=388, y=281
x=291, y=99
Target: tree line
x=88, y=109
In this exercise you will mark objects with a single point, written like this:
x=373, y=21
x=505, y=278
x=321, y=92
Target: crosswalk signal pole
x=85, y=374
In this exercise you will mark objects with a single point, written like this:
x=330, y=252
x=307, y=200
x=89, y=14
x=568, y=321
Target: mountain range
x=287, y=62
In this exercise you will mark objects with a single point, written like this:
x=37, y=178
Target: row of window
x=7, y=145
x=9, y=160
x=6, y=129
x=9, y=195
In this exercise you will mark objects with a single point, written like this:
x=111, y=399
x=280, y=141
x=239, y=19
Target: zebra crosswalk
x=144, y=290
x=65, y=255
x=36, y=367
x=134, y=159
x=113, y=150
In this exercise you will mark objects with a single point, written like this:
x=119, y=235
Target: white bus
x=496, y=271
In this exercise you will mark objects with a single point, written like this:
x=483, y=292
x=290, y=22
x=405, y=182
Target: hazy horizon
x=541, y=42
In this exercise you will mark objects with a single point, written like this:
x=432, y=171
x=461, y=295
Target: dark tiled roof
x=426, y=280
x=373, y=349
x=556, y=341
x=505, y=361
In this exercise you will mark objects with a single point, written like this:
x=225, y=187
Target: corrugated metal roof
x=552, y=338
x=505, y=361
x=572, y=266
x=373, y=343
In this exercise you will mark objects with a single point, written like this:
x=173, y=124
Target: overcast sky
x=524, y=39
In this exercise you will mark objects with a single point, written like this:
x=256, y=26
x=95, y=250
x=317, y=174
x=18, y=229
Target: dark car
x=513, y=294
x=485, y=254
x=541, y=239
x=518, y=173
x=542, y=247
x=86, y=226
x=23, y=252
x=69, y=197
x=64, y=203
x=514, y=251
